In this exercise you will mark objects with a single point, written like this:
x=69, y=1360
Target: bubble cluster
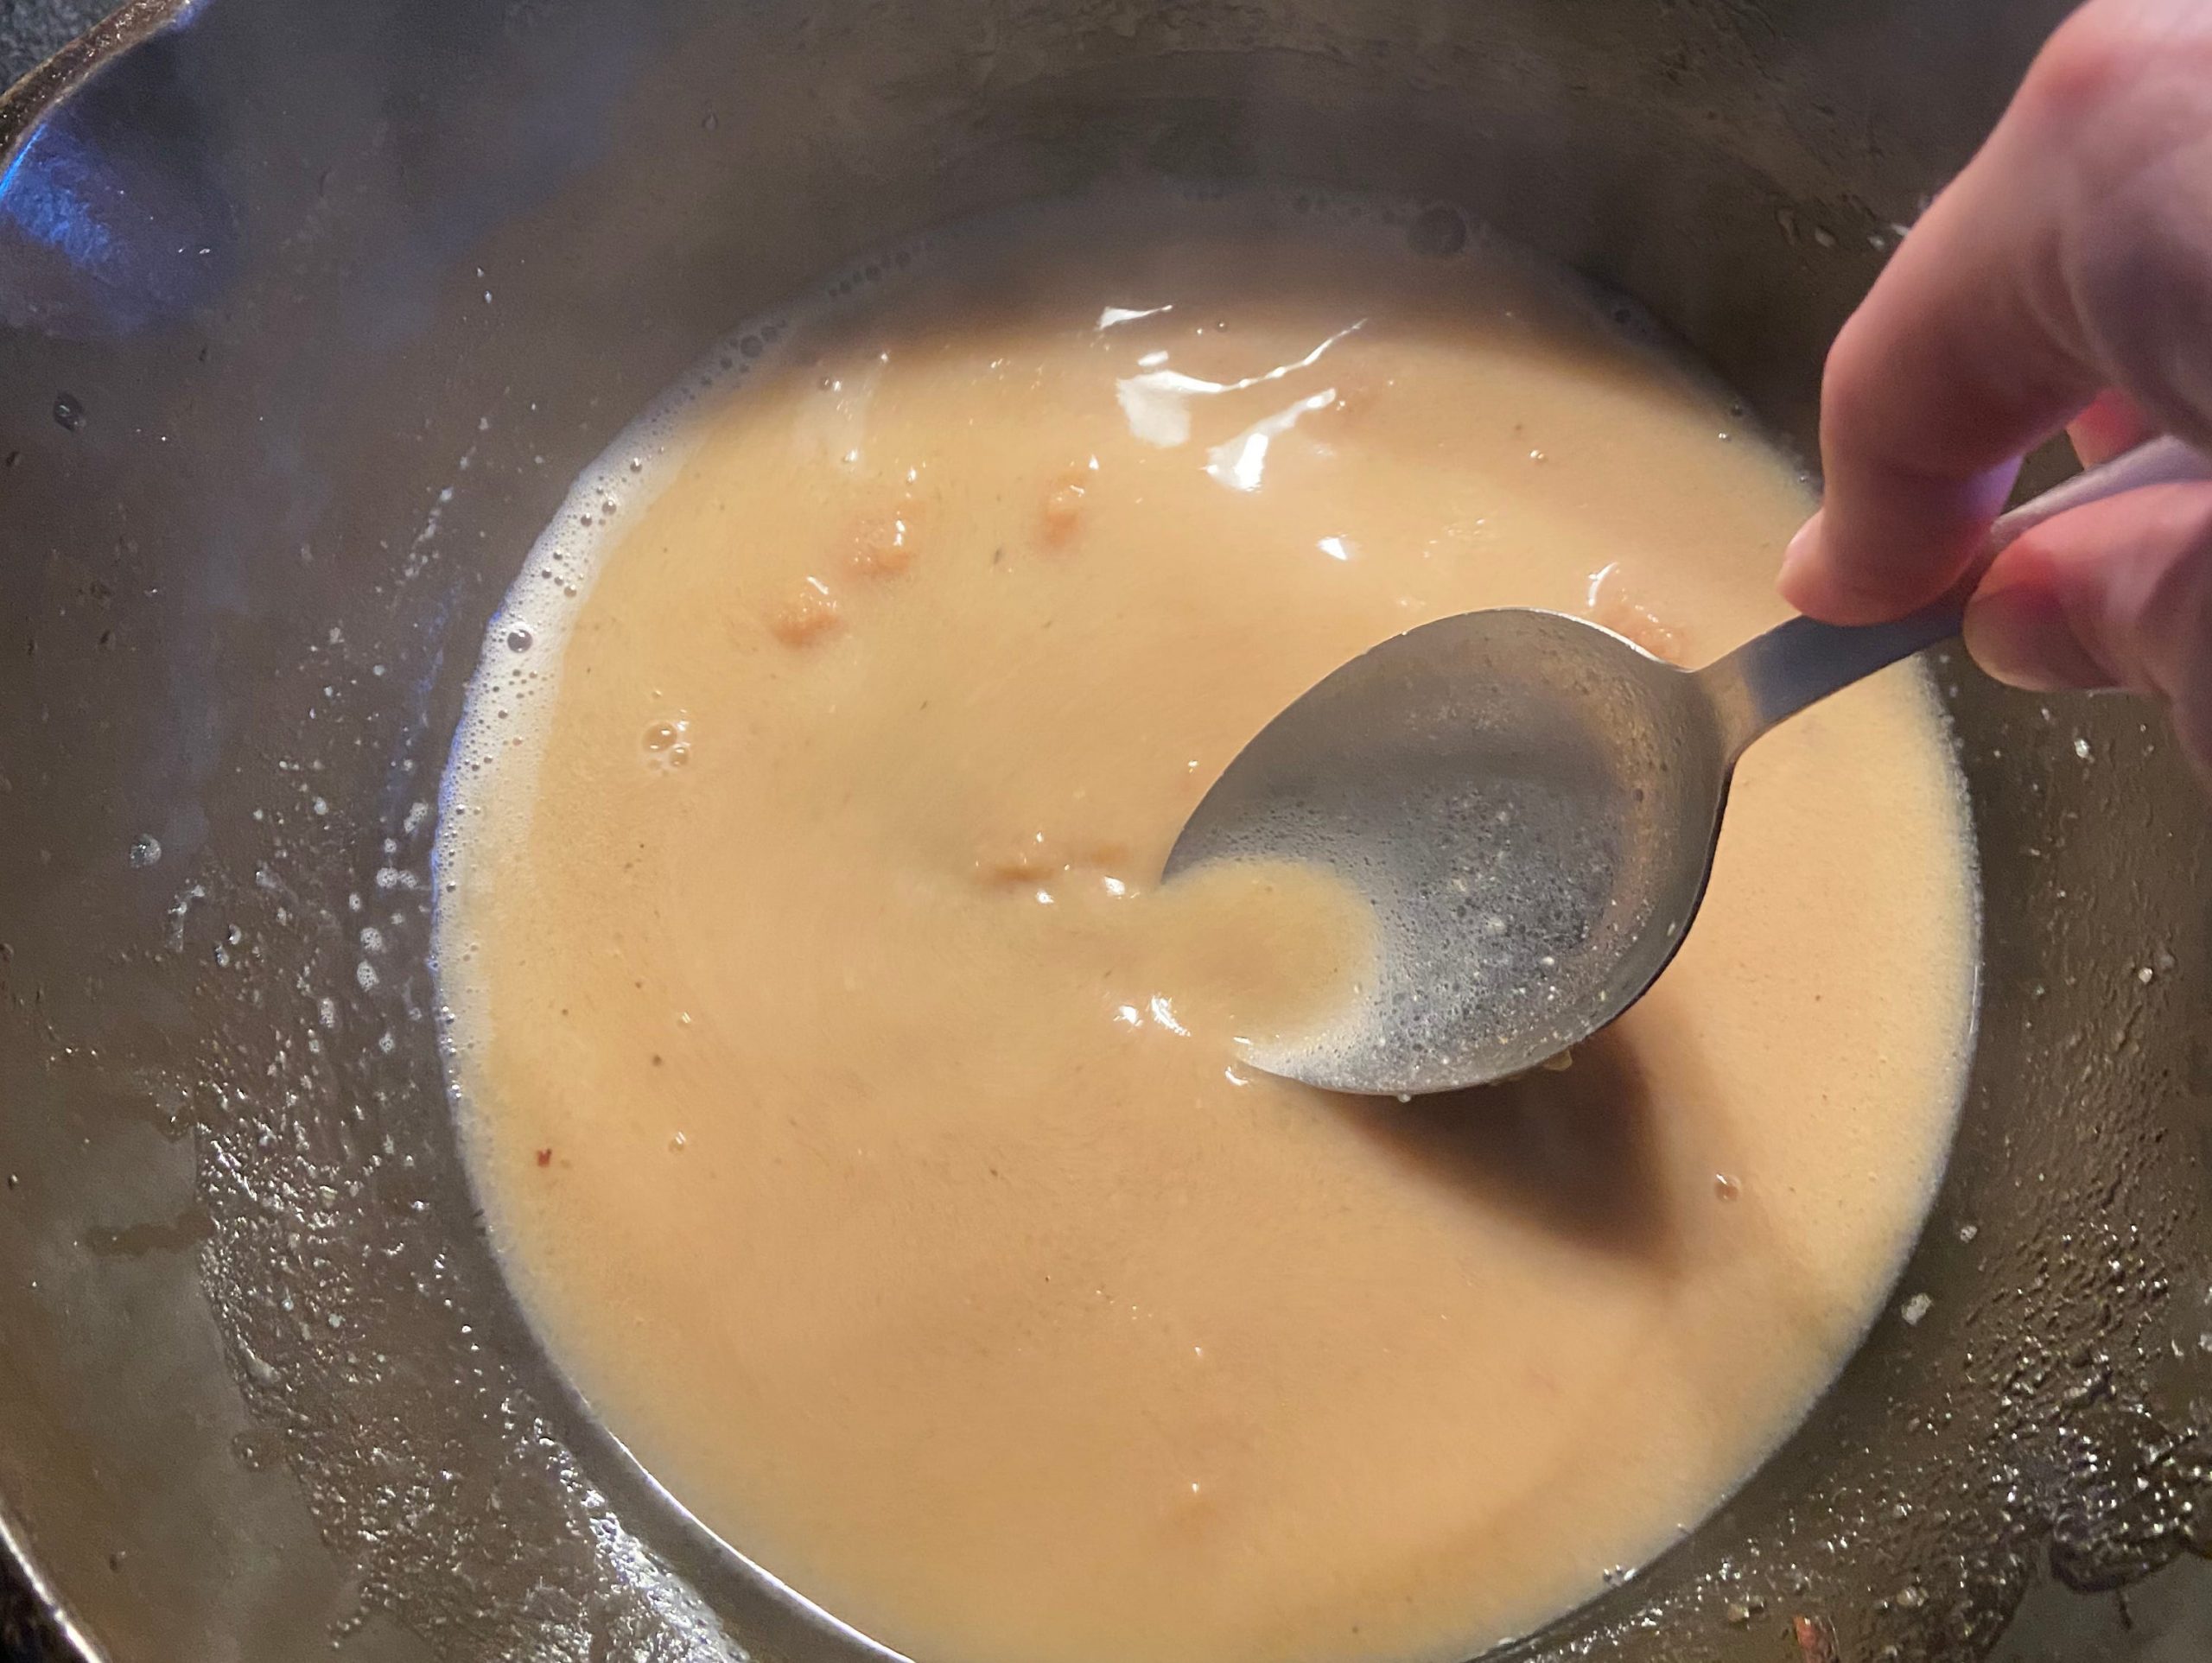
x=667, y=742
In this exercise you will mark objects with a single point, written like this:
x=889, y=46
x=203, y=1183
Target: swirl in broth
x=868, y=1138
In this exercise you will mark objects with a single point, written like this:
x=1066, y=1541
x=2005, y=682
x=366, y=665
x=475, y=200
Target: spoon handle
x=1773, y=676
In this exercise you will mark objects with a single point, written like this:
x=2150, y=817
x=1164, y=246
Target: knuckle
x=2172, y=613
x=2142, y=275
x=2119, y=78
x=1853, y=381
x=2089, y=63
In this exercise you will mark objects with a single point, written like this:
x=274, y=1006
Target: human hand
x=2063, y=280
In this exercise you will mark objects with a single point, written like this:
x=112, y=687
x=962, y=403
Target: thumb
x=2114, y=593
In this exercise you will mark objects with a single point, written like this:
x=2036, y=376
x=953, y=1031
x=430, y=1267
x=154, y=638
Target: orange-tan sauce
x=864, y=1129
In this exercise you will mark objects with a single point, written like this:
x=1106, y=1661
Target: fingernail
x=1797, y=560
x=2021, y=635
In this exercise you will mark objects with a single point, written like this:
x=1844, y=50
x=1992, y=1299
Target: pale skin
x=2063, y=282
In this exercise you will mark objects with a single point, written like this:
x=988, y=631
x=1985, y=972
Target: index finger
x=1962, y=358
x=2074, y=254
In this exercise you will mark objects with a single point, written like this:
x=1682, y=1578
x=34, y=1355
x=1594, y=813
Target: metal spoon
x=1530, y=804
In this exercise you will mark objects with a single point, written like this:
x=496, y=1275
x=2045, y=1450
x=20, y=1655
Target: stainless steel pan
x=308, y=315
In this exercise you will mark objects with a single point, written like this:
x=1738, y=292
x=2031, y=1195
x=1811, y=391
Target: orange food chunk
x=1026, y=860
x=1063, y=510
x=1037, y=856
x=1358, y=390
x=1616, y=606
x=884, y=547
x=810, y=613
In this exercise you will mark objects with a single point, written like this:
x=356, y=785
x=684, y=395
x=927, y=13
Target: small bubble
x=68, y=411
x=145, y=851
x=519, y=639
x=669, y=741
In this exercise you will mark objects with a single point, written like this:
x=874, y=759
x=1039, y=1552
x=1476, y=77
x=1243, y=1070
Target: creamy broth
x=866, y=1131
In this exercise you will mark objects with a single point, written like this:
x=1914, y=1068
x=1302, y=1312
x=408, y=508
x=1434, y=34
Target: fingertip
x=1815, y=584
x=2111, y=423
x=1798, y=578
x=2021, y=635
x=1886, y=542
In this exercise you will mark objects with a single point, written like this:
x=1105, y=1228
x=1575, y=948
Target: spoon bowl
x=1527, y=803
